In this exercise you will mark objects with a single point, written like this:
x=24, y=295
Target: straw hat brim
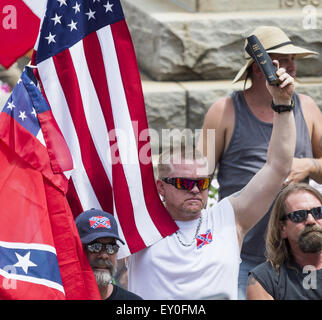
x=287, y=49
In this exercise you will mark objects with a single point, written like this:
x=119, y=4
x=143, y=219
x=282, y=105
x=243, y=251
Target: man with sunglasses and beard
x=293, y=270
x=98, y=232
x=201, y=259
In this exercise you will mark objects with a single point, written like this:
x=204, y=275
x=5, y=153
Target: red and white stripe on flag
x=94, y=90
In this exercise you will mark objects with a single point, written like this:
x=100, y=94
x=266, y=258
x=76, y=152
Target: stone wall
x=184, y=104
x=244, y=5
x=188, y=58
x=182, y=46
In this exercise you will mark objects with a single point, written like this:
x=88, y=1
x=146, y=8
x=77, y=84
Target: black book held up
x=255, y=49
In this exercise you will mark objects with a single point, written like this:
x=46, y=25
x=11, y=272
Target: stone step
x=238, y=5
x=183, y=105
x=175, y=45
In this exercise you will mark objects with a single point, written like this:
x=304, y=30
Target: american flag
x=87, y=67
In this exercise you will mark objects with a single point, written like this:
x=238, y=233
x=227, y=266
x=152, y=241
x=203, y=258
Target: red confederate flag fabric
x=19, y=27
x=41, y=255
x=88, y=70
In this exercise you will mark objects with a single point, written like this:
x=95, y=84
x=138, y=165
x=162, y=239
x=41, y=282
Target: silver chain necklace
x=193, y=240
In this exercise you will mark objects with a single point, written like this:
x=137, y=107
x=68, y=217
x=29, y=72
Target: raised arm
x=251, y=204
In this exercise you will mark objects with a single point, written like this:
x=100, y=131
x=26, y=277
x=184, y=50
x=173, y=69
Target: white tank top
x=208, y=269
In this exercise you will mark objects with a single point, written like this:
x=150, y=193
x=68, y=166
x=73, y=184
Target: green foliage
x=213, y=195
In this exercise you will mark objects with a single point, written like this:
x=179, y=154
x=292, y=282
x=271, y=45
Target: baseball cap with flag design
x=94, y=223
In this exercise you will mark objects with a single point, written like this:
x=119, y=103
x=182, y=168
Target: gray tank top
x=291, y=283
x=246, y=154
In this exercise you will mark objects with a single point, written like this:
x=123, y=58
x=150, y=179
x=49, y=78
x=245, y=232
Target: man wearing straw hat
x=243, y=126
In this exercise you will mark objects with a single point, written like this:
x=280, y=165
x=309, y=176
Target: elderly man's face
x=102, y=263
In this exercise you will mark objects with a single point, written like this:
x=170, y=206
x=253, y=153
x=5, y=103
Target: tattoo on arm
x=251, y=280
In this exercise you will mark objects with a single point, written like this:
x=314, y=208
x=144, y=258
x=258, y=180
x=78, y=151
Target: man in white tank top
x=201, y=260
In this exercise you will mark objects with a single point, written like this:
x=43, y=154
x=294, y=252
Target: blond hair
x=177, y=155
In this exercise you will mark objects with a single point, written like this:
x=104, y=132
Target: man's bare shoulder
x=220, y=110
x=311, y=111
x=308, y=104
x=222, y=104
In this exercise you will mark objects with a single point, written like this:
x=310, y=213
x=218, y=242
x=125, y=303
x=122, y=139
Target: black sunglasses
x=97, y=247
x=301, y=215
x=188, y=184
